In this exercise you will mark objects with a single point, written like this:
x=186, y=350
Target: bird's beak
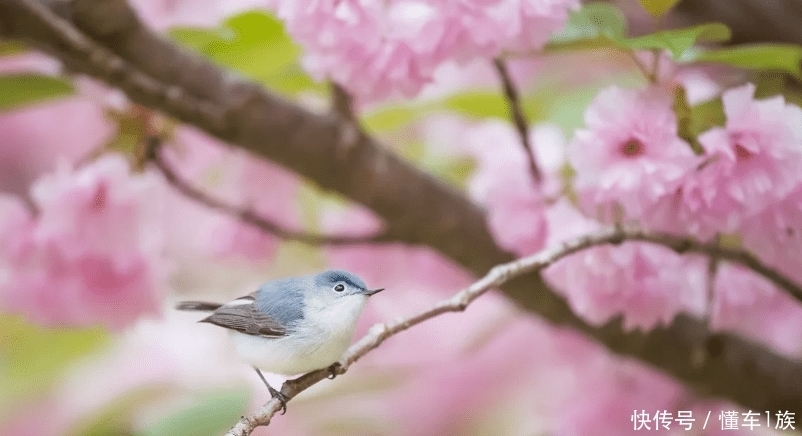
x=370, y=292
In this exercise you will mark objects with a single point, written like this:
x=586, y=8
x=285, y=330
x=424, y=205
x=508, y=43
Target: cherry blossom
x=503, y=183
x=377, y=48
x=91, y=254
x=628, y=156
x=751, y=306
x=755, y=160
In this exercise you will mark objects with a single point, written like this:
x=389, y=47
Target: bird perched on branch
x=292, y=325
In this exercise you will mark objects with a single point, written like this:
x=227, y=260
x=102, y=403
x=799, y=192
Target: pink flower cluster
x=90, y=255
x=375, y=47
x=239, y=180
x=632, y=167
x=503, y=184
x=750, y=165
x=629, y=155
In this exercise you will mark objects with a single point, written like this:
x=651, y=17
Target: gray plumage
x=277, y=307
x=199, y=306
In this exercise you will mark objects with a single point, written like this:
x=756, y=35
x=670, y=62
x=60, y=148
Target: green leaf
x=594, y=25
x=592, y=20
x=678, y=41
x=33, y=357
x=390, y=118
x=193, y=38
x=259, y=45
x=707, y=115
x=780, y=57
x=18, y=90
x=596, y=33
x=657, y=8
x=256, y=45
x=478, y=104
x=685, y=120
x=211, y=415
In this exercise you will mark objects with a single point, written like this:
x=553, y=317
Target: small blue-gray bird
x=292, y=325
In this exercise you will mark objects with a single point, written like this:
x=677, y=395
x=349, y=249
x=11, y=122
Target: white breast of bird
x=317, y=342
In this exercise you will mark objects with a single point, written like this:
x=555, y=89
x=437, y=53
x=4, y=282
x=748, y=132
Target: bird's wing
x=242, y=316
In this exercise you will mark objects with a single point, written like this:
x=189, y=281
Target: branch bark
x=104, y=39
x=518, y=117
x=750, y=20
x=245, y=214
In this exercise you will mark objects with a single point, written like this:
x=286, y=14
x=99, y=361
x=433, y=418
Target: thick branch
x=247, y=215
x=497, y=276
x=417, y=208
x=750, y=20
x=518, y=118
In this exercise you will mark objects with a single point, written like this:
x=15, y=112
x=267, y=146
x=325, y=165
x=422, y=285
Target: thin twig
x=245, y=214
x=495, y=278
x=712, y=272
x=655, y=76
x=518, y=117
x=645, y=71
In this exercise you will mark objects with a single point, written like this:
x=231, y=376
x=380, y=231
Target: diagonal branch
x=104, y=39
x=497, y=276
x=718, y=252
x=245, y=214
x=518, y=117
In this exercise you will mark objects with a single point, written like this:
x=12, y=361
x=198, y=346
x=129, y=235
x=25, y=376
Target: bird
x=291, y=325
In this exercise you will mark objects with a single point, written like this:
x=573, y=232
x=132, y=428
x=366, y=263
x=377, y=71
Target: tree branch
x=497, y=276
x=750, y=20
x=342, y=103
x=718, y=252
x=417, y=208
x=518, y=117
x=245, y=214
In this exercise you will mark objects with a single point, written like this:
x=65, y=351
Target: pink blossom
x=29, y=62
x=752, y=306
x=238, y=179
x=376, y=48
x=27, y=150
x=91, y=255
x=758, y=152
x=775, y=234
x=566, y=222
x=629, y=154
x=648, y=284
x=608, y=399
x=751, y=163
x=503, y=183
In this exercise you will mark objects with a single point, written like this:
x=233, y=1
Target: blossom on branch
x=503, y=184
x=751, y=163
x=377, y=48
x=628, y=156
x=91, y=255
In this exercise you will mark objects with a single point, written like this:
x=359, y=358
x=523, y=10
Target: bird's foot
x=274, y=393
x=334, y=370
x=280, y=397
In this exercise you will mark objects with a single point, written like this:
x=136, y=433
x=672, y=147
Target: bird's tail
x=198, y=306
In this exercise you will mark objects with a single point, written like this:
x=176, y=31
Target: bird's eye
x=339, y=287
